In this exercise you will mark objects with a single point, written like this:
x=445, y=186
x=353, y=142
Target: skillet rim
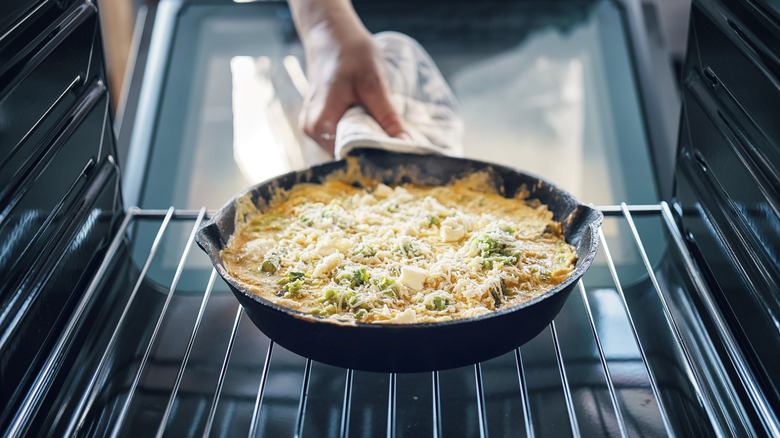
x=209, y=246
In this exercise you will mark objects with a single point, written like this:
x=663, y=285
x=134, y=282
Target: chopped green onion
x=291, y=289
x=437, y=303
x=353, y=279
x=364, y=250
x=270, y=265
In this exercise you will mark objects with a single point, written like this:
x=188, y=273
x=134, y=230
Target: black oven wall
x=728, y=173
x=59, y=197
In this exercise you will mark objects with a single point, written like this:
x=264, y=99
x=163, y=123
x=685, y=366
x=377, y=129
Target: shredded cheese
x=403, y=254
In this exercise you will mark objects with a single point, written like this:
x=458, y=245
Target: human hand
x=344, y=67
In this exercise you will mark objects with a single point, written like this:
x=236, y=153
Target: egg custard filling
x=403, y=254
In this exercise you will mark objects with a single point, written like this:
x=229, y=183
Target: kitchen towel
x=420, y=95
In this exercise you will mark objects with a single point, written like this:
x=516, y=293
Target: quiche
x=401, y=255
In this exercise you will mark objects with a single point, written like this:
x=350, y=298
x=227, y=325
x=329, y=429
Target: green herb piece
x=491, y=261
x=340, y=299
x=271, y=263
x=388, y=286
x=384, y=282
x=497, y=246
x=364, y=250
x=409, y=249
x=268, y=266
x=294, y=275
x=292, y=283
x=353, y=278
x=291, y=289
x=437, y=303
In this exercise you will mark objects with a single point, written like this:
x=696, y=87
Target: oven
x=113, y=322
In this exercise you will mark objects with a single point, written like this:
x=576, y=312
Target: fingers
x=342, y=78
x=375, y=96
x=323, y=110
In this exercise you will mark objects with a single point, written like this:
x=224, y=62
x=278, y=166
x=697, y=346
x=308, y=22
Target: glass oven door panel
x=546, y=88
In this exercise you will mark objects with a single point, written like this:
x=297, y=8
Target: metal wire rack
x=630, y=358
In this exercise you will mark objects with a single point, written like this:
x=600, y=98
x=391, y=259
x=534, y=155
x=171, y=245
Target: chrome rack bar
x=179, y=269
x=391, y=400
x=436, y=405
x=177, y=214
x=89, y=395
x=639, y=210
x=347, y=406
x=223, y=372
x=692, y=375
x=650, y=373
x=575, y=427
x=529, y=426
x=303, y=400
x=187, y=352
x=53, y=362
x=605, y=366
x=767, y=415
x=481, y=413
x=261, y=390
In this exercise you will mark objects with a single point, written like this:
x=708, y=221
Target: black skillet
x=411, y=347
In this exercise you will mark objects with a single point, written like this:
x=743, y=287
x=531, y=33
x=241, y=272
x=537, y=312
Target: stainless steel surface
x=198, y=363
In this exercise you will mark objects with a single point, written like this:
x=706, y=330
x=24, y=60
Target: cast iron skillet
x=411, y=347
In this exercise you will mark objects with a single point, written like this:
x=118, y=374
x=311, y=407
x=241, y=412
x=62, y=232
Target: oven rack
x=681, y=370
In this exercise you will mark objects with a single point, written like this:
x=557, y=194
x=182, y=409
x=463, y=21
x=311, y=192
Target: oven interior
x=113, y=321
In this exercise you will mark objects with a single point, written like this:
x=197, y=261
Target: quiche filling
x=404, y=254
